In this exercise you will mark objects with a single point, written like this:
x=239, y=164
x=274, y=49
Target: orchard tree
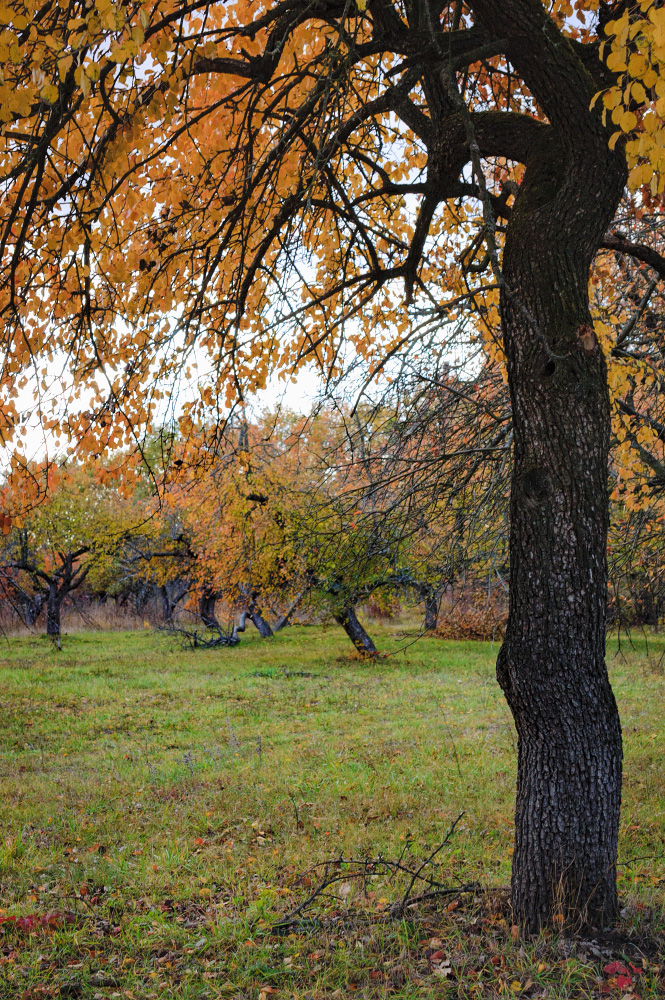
x=69, y=538
x=267, y=184
x=236, y=506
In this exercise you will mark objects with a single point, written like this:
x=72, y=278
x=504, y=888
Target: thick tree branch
x=639, y=251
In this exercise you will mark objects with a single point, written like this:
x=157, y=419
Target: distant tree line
x=287, y=518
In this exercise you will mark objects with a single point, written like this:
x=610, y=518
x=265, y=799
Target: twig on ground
x=398, y=908
x=342, y=869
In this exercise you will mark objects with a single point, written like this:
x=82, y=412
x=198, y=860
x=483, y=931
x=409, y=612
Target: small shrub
x=471, y=615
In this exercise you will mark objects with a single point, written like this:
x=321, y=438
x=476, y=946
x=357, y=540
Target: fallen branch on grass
x=343, y=869
x=198, y=640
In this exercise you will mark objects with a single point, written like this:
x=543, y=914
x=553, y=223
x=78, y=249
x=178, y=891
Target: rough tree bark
x=552, y=663
x=348, y=619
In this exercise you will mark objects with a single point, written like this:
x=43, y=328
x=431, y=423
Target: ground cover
x=163, y=809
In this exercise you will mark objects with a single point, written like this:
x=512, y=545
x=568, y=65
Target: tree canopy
x=241, y=188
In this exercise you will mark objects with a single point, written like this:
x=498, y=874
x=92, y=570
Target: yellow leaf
x=362, y=5
x=657, y=18
x=615, y=62
x=64, y=65
x=611, y=98
x=642, y=174
x=49, y=93
x=628, y=121
x=637, y=65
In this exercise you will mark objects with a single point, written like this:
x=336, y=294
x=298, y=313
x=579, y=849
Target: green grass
x=168, y=801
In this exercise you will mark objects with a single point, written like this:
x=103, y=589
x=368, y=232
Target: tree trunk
x=141, y=597
x=172, y=594
x=53, y=601
x=167, y=610
x=32, y=607
x=348, y=619
x=285, y=619
x=645, y=607
x=259, y=621
x=432, y=601
x=552, y=663
x=207, y=602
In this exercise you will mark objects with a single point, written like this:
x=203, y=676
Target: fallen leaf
x=615, y=969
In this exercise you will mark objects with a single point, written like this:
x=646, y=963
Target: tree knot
x=586, y=338
x=536, y=485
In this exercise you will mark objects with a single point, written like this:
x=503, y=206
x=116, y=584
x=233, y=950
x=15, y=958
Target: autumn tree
x=278, y=519
x=264, y=185
x=70, y=537
x=236, y=502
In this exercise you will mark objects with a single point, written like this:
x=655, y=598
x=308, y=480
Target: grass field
x=162, y=809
